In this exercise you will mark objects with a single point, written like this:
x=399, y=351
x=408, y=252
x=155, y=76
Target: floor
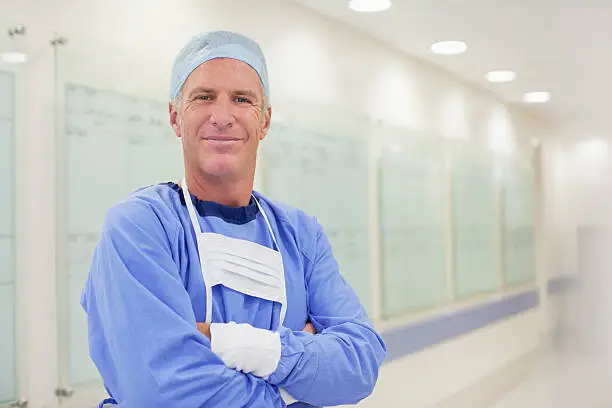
x=565, y=379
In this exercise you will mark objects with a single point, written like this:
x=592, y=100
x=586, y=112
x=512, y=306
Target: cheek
x=254, y=121
x=190, y=124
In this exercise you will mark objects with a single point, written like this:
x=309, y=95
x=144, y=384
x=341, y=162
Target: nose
x=222, y=115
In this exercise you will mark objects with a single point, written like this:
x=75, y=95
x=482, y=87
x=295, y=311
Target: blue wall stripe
x=415, y=337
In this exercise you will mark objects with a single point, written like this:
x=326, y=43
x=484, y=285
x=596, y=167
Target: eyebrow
x=200, y=90
x=239, y=92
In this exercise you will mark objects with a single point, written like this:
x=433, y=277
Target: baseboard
x=487, y=392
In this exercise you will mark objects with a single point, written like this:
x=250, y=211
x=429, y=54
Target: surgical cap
x=217, y=44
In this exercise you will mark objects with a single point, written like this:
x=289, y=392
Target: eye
x=242, y=99
x=203, y=97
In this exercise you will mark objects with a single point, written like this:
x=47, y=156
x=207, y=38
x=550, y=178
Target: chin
x=220, y=168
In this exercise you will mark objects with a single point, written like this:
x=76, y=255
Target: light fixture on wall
x=369, y=6
x=500, y=76
x=15, y=54
x=594, y=149
x=536, y=97
x=449, y=47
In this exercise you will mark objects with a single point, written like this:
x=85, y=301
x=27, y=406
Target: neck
x=234, y=193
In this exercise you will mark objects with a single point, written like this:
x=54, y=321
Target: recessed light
x=14, y=57
x=449, y=47
x=501, y=76
x=536, y=97
x=369, y=6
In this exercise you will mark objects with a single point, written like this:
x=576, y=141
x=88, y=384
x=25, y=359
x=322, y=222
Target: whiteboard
x=518, y=223
x=475, y=217
x=326, y=176
x=7, y=239
x=413, y=223
x=116, y=143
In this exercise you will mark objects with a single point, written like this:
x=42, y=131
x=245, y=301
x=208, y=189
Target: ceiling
x=560, y=46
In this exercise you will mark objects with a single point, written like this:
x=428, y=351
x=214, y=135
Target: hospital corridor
x=305, y=203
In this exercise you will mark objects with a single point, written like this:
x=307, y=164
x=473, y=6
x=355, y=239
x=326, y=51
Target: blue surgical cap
x=217, y=44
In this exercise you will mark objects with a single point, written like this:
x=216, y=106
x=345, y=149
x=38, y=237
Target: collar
x=234, y=215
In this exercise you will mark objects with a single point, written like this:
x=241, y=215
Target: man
x=208, y=294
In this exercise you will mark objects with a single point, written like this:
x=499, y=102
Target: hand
x=246, y=348
x=204, y=328
x=309, y=328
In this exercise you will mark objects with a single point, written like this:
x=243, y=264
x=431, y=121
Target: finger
x=309, y=328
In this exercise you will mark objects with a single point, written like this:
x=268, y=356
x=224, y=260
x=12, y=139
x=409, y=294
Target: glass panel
x=8, y=350
x=518, y=223
x=7, y=153
x=413, y=220
x=7, y=343
x=325, y=173
x=475, y=218
x=7, y=259
x=115, y=137
x=7, y=95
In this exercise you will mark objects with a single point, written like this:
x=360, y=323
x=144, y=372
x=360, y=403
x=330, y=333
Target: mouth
x=222, y=143
x=221, y=139
x=218, y=139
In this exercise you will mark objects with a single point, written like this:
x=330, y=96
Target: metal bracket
x=64, y=392
x=58, y=40
x=17, y=30
x=22, y=403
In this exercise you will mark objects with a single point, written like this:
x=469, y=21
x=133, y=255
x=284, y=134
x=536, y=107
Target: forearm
x=178, y=369
x=207, y=388
x=252, y=352
x=338, y=366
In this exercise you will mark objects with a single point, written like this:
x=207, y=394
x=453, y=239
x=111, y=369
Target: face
x=221, y=120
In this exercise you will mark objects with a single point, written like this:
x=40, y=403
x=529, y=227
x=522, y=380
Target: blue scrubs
x=145, y=293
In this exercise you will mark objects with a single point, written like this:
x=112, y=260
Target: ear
x=266, y=124
x=174, y=120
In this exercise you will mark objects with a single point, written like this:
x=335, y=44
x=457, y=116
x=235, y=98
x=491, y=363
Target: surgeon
x=205, y=293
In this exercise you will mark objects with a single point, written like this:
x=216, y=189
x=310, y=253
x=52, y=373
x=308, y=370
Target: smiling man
x=205, y=293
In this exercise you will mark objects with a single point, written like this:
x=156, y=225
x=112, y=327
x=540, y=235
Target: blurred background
x=457, y=153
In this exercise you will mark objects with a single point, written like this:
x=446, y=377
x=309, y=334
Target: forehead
x=225, y=73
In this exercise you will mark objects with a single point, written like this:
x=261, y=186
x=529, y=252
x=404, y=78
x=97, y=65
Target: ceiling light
x=449, y=47
x=369, y=6
x=14, y=57
x=501, y=76
x=536, y=97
